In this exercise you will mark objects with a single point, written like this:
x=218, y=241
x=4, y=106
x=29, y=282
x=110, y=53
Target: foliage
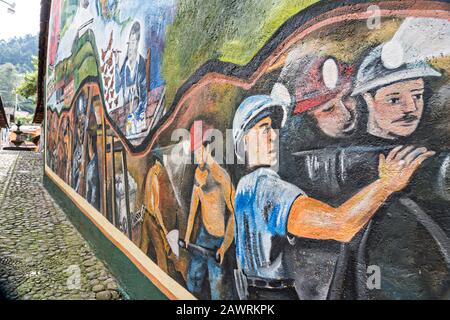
x=17, y=66
x=18, y=52
x=9, y=80
x=28, y=87
x=25, y=119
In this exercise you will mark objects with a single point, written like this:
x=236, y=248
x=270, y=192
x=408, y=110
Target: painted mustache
x=407, y=118
x=350, y=125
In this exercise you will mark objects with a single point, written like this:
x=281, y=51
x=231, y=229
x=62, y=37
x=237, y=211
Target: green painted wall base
x=133, y=283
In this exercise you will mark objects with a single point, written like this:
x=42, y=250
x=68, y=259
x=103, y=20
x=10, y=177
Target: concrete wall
x=303, y=144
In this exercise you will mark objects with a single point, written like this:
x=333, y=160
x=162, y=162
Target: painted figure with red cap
x=268, y=209
x=336, y=171
x=212, y=193
x=322, y=87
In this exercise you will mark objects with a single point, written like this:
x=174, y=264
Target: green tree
x=28, y=86
x=18, y=51
x=8, y=81
x=9, y=90
x=15, y=61
x=28, y=119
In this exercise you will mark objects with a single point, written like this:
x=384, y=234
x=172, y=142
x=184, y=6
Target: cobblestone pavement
x=42, y=256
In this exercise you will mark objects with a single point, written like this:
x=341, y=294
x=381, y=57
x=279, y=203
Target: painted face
x=262, y=144
x=396, y=110
x=133, y=45
x=338, y=117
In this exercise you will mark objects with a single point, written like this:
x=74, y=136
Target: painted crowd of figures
x=342, y=165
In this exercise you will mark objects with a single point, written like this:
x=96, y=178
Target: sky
x=24, y=21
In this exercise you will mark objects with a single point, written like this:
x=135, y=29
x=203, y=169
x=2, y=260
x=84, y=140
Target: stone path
x=42, y=256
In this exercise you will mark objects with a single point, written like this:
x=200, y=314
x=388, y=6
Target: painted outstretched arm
x=310, y=218
x=229, y=194
x=190, y=224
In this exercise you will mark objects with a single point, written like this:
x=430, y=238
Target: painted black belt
x=270, y=284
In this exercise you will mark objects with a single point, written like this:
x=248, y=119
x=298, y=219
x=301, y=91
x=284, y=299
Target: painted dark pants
x=151, y=234
x=93, y=183
x=203, y=266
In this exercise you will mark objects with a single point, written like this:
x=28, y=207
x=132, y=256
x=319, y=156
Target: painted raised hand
x=398, y=167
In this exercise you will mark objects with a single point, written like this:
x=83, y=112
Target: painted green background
x=231, y=31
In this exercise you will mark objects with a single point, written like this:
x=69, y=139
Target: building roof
x=39, y=114
x=3, y=118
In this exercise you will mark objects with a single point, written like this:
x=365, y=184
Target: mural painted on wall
x=332, y=181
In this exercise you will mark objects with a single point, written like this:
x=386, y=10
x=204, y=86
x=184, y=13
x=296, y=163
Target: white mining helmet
x=384, y=66
x=255, y=108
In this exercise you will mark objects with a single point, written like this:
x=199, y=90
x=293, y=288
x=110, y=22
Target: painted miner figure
x=322, y=113
x=212, y=196
x=392, y=95
x=269, y=209
x=78, y=159
x=323, y=108
x=154, y=231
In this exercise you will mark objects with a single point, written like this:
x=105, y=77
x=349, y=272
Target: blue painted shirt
x=262, y=205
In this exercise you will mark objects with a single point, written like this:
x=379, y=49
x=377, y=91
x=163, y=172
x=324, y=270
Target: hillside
x=18, y=52
x=15, y=61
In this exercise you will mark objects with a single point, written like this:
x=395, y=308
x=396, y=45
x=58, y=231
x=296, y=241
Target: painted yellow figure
x=214, y=192
x=153, y=227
